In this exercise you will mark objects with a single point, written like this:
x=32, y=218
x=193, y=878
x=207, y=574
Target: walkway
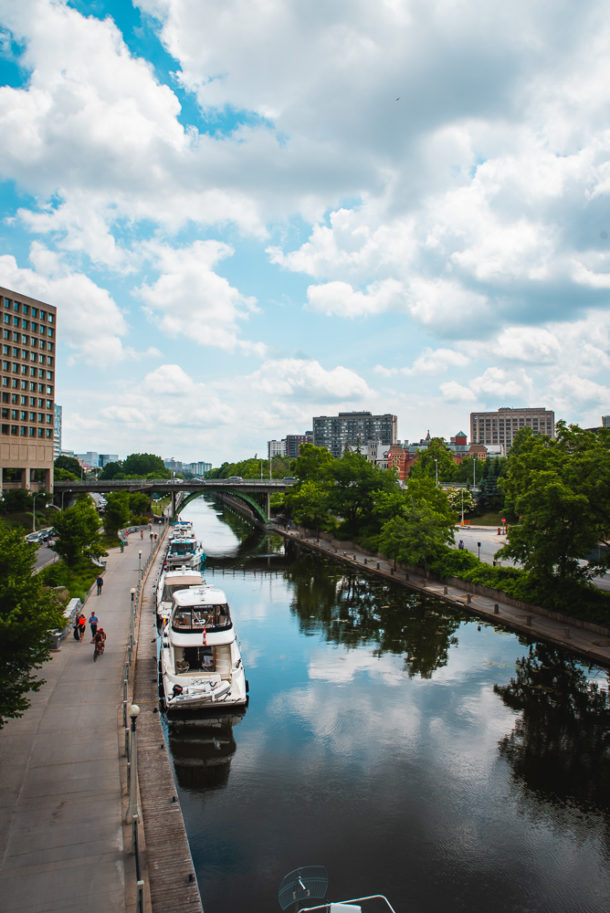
x=61, y=831
x=592, y=642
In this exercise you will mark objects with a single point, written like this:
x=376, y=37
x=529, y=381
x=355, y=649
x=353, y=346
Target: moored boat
x=180, y=578
x=184, y=550
x=201, y=665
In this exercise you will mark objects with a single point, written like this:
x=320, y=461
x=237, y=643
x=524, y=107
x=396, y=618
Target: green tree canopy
x=357, y=485
x=69, y=464
x=111, y=470
x=78, y=529
x=434, y=460
x=142, y=465
x=308, y=504
x=424, y=526
x=117, y=513
x=314, y=463
x=15, y=500
x=27, y=614
x=560, y=491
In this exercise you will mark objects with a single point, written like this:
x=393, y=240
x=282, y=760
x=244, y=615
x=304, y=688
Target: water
x=411, y=750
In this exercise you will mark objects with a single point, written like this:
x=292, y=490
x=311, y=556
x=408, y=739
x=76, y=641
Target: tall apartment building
x=336, y=432
x=27, y=388
x=276, y=448
x=499, y=428
x=294, y=441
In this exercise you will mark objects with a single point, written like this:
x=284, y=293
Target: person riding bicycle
x=100, y=640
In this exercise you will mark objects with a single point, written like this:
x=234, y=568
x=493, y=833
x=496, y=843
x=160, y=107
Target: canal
x=412, y=750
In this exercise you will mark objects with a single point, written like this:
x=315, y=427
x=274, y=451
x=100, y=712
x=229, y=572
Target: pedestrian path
x=591, y=642
x=61, y=829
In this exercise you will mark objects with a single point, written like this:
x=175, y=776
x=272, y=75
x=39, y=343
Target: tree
x=139, y=504
x=313, y=463
x=358, y=484
x=69, y=464
x=15, y=500
x=422, y=529
x=434, y=462
x=309, y=504
x=460, y=499
x=141, y=465
x=116, y=515
x=111, y=471
x=27, y=614
x=560, y=491
x=78, y=530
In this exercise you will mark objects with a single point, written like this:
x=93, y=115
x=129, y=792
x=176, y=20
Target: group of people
x=98, y=635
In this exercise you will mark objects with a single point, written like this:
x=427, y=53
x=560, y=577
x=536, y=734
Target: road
x=490, y=542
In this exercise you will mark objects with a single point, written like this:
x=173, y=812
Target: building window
x=26, y=309
x=34, y=312
x=32, y=432
x=16, y=306
x=15, y=321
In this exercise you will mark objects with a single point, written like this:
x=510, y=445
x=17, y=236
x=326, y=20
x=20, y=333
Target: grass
x=77, y=580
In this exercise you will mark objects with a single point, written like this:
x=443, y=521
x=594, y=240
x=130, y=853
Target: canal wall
x=591, y=641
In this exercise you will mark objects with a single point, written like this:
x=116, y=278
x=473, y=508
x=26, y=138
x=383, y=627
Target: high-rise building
x=336, y=432
x=293, y=443
x=276, y=448
x=27, y=392
x=499, y=428
x=57, y=433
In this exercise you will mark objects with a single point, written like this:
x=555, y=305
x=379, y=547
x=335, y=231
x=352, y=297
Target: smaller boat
x=200, y=660
x=180, y=578
x=180, y=528
x=184, y=551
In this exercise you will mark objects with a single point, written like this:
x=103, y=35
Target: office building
x=106, y=458
x=499, y=428
x=336, y=432
x=27, y=387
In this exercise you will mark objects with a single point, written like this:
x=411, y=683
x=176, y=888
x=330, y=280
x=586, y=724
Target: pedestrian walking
x=82, y=625
x=100, y=583
x=93, y=623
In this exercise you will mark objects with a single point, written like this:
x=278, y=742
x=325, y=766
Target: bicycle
x=98, y=649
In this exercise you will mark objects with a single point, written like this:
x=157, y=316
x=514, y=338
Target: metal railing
x=130, y=715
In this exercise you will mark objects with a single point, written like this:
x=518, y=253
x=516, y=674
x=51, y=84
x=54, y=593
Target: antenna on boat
x=303, y=884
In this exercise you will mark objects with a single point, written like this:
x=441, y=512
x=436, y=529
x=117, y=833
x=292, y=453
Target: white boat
x=180, y=578
x=180, y=528
x=201, y=665
x=184, y=551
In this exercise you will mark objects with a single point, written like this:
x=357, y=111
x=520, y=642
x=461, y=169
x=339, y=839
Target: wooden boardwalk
x=168, y=862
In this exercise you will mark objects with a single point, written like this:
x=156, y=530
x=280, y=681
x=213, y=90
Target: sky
x=251, y=212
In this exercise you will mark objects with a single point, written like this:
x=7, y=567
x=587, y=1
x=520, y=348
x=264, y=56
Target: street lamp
x=436, y=472
x=474, y=472
x=139, y=564
x=462, y=490
x=132, y=808
x=479, y=550
x=34, y=496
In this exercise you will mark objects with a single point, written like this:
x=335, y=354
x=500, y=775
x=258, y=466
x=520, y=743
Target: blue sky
x=251, y=213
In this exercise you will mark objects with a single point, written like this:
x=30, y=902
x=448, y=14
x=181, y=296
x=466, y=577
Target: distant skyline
x=251, y=214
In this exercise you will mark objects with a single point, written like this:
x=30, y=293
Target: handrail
x=132, y=815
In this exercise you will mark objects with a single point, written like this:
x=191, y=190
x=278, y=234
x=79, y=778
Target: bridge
x=255, y=492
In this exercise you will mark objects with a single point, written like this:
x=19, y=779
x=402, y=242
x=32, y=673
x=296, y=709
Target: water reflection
x=398, y=742
x=560, y=745
x=202, y=749
x=353, y=610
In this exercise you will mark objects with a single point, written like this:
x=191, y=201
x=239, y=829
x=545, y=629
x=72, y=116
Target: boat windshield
x=182, y=548
x=196, y=618
x=170, y=588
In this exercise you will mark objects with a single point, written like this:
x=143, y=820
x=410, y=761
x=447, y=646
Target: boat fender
x=178, y=689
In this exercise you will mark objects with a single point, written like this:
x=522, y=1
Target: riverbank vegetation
x=559, y=489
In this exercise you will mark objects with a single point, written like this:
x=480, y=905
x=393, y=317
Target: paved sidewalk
x=61, y=833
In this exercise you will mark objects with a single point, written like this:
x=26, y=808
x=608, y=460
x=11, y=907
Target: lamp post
x=474, y=472
x=462, y=490
x=139, y=565
x=436, y=472
x=132, y=808
x=479, y=550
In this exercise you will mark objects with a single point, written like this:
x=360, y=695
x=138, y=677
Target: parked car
x=235, y=479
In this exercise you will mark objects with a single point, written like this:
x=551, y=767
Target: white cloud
x=190, y=299
x=457, y=393
x=301, y=379
x=89, y=322
x=340, y=299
